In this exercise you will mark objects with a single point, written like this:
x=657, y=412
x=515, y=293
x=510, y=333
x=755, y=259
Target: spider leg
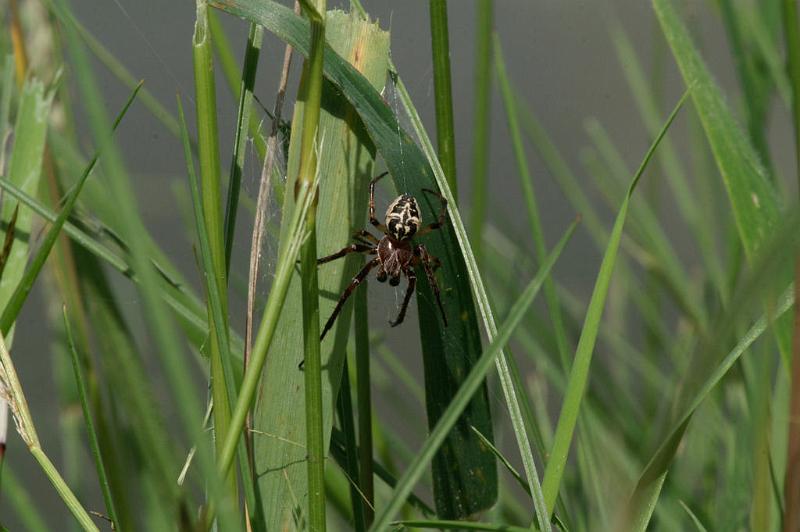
x=352, y=248
x=412, y=281
x=440, y=219
x=366, y=235
x=347, y=291
x=429, y=263
x=374, y=221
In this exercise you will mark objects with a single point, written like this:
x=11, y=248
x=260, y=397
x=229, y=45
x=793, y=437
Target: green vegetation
x=661, y=400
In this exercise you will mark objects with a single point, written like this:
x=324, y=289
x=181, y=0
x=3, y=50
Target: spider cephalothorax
x=395, y=253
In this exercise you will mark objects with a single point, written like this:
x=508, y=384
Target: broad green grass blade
x=469, y=386
x=345, y=162
x=753, y=198
x=446, y=351
x=579, y=373
x=24, y=171
x=19, y=296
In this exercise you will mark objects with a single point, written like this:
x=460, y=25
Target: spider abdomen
x=402, y=217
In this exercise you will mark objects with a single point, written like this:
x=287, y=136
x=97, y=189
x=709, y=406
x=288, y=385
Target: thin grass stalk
x=20, y=295
x=94, y=444
x=468, y=387
x=311, y=94
x=364, y=394
x=232, y=74
x=296, y=235
x=345, y=407
x=454, y=525
x=208, y=152
x=166, y=341
x=18, y=44
x=216, y=309
x=249, y=67
x=443, y=92
x=101, y=251
x=791, y=519
x=534, y=219
x=11, y=390
x=262, y=204
x=579, y=373
x=18, y=498
x=482, y=123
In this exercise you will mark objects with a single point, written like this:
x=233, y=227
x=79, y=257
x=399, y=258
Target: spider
x=396, y=253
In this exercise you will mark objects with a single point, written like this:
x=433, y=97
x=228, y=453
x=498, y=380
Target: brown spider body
x=395, y=253
x=395, y=256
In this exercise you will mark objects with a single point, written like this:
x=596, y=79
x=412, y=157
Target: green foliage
x=670, y=414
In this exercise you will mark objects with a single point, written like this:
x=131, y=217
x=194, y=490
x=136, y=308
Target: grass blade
x=481, y=128
x=311, y=140
x=24, y=171
x=470, y=385
x=11, y=390
x=217, y=314
x=364, y=394
x=791, y=515
x=19, y=499
x=579, y=372
x=90, y=431
x=20, y=294
x=208, y=154
x=456, y=347
x=443, y=92
x=249, y=67
x=753, y=198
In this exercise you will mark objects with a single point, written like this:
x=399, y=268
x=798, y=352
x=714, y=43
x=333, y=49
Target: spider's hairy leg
x=442, y=214
x=352, y=248
x=372, y=219
x=363, y=234
x=428, y=264
x=347, y=291
x=412, y=281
